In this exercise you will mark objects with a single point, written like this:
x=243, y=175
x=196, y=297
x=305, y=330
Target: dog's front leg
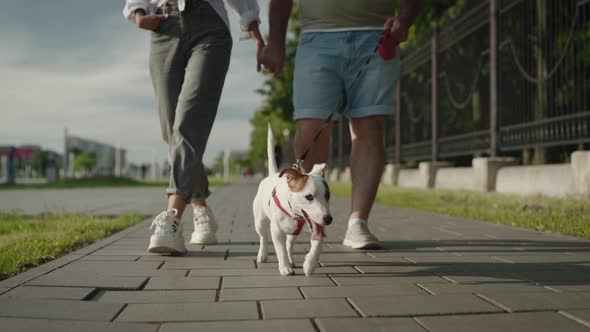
x=290, y=241
x=279, y=240
x=313, y=257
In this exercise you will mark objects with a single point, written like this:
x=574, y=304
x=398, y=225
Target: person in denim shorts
x=189, y=57
x=337, y=37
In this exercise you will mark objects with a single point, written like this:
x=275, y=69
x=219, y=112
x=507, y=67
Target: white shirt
x=247, y=10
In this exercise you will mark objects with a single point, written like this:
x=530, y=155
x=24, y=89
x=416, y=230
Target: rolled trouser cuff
x=183, y=195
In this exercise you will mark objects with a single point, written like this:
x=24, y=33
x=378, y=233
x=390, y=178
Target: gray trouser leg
x=189, y=60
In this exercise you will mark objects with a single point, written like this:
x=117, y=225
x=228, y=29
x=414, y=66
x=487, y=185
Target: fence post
x=493, y=78
x=434, y=98
x=398, y=125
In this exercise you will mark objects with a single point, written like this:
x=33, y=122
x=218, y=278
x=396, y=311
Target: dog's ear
x=295, y=179
x=319, y=169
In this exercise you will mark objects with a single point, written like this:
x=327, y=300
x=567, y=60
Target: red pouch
x=387, y=46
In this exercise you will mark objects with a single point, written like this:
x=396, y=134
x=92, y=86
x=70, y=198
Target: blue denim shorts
x=325, y=67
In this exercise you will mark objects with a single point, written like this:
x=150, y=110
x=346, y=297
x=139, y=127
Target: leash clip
x=297, y=164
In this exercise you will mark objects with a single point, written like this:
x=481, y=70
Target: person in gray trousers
x=189, y=57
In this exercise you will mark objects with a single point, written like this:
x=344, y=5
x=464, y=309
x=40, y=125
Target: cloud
x=98, y=86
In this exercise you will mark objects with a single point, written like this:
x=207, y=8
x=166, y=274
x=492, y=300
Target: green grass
x=562, y=215
x=26, y=242
x=103, y=182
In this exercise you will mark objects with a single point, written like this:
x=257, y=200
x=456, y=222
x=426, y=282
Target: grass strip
x=569, y=215
x=27, y=241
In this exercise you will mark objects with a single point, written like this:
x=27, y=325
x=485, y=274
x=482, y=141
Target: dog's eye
x=309, y=197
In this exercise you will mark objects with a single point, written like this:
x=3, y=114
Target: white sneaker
x=358, y=236
x=167, y=238
x=205, y=226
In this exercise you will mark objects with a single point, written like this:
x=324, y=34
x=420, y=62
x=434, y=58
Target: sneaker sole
x=206, y=239
x=364, y=245
x=165, y=250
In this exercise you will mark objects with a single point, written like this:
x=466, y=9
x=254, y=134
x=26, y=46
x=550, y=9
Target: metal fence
x=510, y=75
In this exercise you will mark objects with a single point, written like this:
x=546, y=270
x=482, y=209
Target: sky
x=78, y=64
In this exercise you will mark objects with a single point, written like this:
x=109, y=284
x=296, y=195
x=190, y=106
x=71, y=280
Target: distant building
x=110, y=160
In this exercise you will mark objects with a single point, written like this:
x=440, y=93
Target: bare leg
x=367, y=160
x=199, y=203
x=306, y=130
x=177, y=202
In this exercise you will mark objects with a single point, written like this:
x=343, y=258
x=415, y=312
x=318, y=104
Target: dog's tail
x=270, y=152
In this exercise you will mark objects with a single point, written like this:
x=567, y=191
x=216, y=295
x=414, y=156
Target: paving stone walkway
x=438, y=273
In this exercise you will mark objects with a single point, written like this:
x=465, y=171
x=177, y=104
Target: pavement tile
x=360, y=290
x=534, y=321
x=420, y=305
x=182, y=283
x=558, y=277
x=456, y=260
x=4, y=290
x=251, y=294
x=572, y=288
x=331, y=270
x=412, y=253
x=231, y=272
x=291, y=325
x=582, y=315
x=275, y=281
x=393, y=261
x=183, y=312
x=168, y=296
x=36, y=325
x=116, y=268
x=545, y=258
x=377, y=279
x=192, y=264
x=33, y=273
x=307, y=308
x=87, y=280
x=62, y=293
x=483, y=277
x=409, y=270
x=117, y=252
x=109, y=258
x=541, y=301
x=369, y=324
x=57, y=309
x=486, y=288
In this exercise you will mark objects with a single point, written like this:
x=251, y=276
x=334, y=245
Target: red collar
x=300, y=220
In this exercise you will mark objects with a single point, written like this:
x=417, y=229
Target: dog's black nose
x=327, y=220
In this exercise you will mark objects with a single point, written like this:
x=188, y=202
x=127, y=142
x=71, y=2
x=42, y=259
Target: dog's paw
x=261, y=258
x=286, y=271
x=309, y=267
x=291, y=263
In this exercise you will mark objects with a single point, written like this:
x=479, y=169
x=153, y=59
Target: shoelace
x=162, y=222
x=203, y=220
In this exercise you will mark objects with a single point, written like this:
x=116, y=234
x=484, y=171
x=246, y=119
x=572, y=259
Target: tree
x=85, y=162
x=39, y=161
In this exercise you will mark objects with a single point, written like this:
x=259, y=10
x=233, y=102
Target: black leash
x=340, y=110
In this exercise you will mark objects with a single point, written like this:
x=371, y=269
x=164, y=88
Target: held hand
x=259, y=52
x=273, y=58
x=149, y=22
x=255, y=34
x=398, y=30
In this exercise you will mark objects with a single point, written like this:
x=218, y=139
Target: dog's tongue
x=317, y=232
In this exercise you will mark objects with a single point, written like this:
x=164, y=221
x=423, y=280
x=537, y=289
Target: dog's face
x=310, y=195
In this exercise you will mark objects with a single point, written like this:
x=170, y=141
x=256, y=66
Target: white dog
x=284, y=203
